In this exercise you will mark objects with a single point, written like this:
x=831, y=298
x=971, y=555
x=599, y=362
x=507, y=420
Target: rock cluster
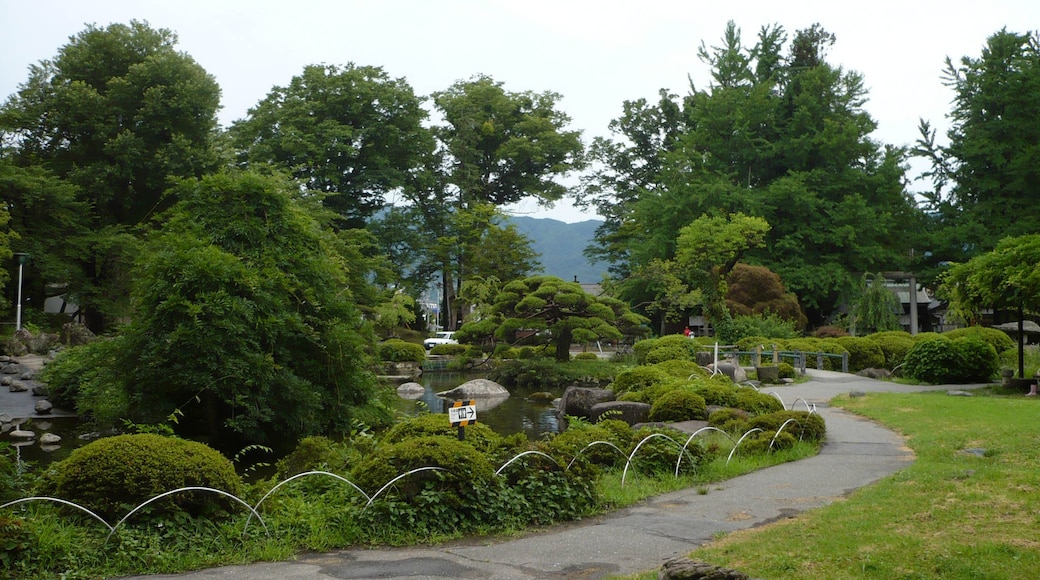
x=687, y=569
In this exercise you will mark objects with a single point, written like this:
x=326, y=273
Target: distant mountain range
x=561, y=246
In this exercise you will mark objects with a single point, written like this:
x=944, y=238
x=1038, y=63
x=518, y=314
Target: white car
x=443, y=337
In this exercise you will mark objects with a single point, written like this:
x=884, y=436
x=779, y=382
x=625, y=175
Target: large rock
x=410, y=391
x=578, y=401
x=43, y=407
x=18, y=387
x=687, y=569
x=50, y=439
x=736, y=373
x=22, y=434
x=628, y=411
x=75, y=334
x=476, y=389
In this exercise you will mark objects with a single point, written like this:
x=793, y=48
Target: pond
x=517, y=414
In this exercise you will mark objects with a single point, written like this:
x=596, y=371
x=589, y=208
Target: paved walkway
x=856, y=453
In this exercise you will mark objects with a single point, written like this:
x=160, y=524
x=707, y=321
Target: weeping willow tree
x=877, y=307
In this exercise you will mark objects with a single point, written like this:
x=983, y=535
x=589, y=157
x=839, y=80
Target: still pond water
x=516, y=414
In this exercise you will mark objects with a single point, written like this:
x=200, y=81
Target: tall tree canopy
x=987, y=178
x=352, y=133
x=782, y=137
x=116, y=114
x=496, y=147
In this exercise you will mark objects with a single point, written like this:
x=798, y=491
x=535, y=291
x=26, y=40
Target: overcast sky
x=596, y=54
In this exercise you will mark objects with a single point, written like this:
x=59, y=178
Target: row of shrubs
x=113, y=475
x=959, y=356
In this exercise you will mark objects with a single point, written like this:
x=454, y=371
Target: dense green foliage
x=352, y=133
x=548, y=310
x=987, y=171
x=966, y=359
x=113, y=475
x=779, y=134
x=245, y=318
x=397, y=350
x=103, y=127
x=863, y=352
x=679, y=405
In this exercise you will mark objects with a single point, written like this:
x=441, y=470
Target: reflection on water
x=513, y=415
x=41, y=455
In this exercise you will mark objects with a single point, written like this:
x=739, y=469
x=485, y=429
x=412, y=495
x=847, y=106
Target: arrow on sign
x=462, y=413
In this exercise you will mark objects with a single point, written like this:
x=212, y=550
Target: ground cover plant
x=966, y=508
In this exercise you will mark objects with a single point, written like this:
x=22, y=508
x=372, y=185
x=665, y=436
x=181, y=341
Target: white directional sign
x=462, y=413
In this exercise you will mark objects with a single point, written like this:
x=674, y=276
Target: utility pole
x=22, y=259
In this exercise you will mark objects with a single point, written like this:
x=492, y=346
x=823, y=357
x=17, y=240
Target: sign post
x=462, y=413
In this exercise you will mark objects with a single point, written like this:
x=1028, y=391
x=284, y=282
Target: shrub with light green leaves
x=680, y=404
x=113, y=475
x=864, y=352
x=448, y=349
x=894, y=344
x=998, y=339
x=397, y=350
x=638, y=379
x=967, y=359
x=804, y=425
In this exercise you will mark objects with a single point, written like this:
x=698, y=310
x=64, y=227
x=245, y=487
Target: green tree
x=46, y=210
x=117, y=113
x=876, y=309
x=352, y=133
x=990, y=169
x=785, y=138
x=1006, y=277
x=241, y=303
x=496, y=147
x=559, y=312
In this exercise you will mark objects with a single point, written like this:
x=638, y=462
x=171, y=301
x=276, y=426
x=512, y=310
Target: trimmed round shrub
x=113, y=475
x=586, y=356
x=638, y=379
x=462, y=466
x=478, y=435
x=672, y=347
x=679, y=405
x=998, y=339
x=757, y=403
x=977, y=360
x=730, y=420
x=894, y=344
x=931, y=360
x=806, y=426
x=786, y=371
x=717, y=393
x=576, y=439
x=311, y=454
x=448, y=349
x=654, y=391
x=864, y=353
x=681, y=369
x=666, y=353
x=397, y=350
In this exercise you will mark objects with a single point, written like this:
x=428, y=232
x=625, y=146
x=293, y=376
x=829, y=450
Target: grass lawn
x=969, y=507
